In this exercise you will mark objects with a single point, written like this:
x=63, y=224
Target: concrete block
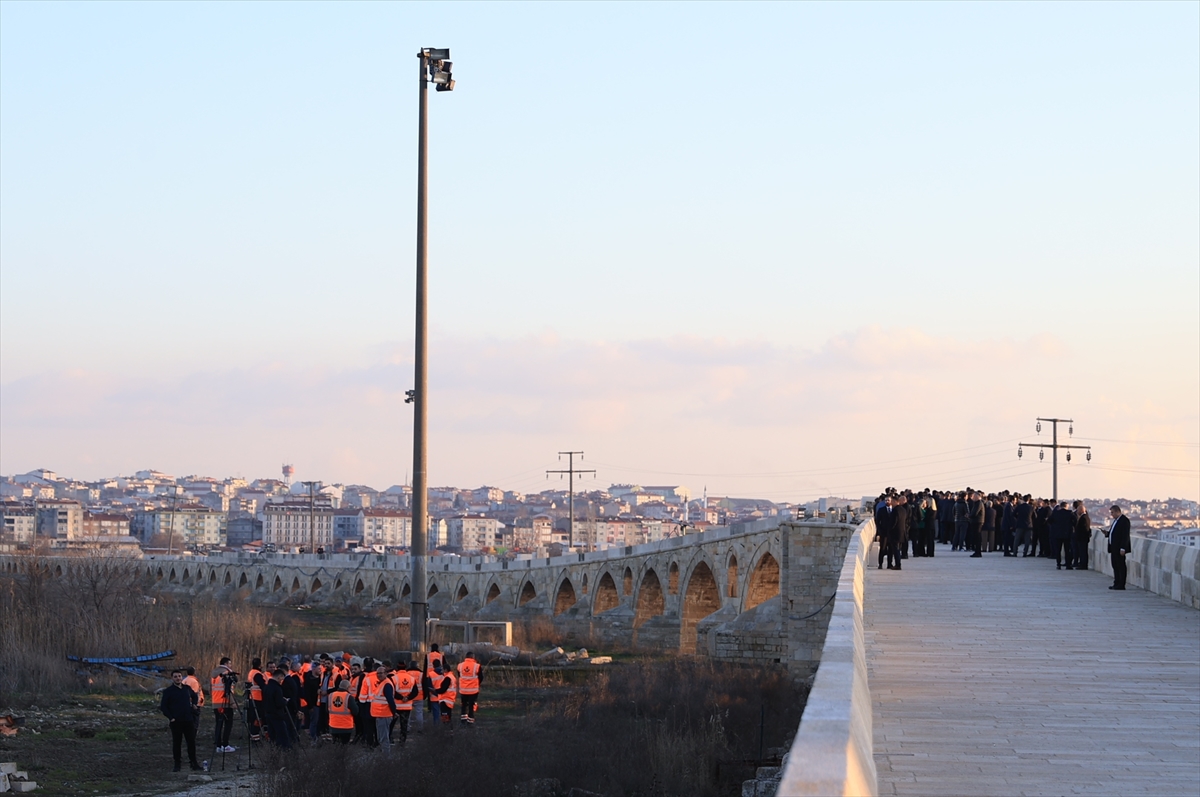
x=18, y=786
x=8, y=767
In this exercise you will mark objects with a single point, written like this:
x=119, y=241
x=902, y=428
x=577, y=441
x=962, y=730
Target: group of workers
x=341, y=698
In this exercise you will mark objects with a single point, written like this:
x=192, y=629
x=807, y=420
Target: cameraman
x=223, y=680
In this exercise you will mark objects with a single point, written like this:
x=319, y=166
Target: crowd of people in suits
x=913, y=523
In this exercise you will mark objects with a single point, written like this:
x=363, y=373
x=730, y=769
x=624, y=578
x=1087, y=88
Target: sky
x=774, y=250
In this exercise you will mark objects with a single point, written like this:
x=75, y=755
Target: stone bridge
x=743, y=593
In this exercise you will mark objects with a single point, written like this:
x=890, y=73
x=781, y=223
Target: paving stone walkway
x=1002, y=676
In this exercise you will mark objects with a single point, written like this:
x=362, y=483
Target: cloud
x=752, y=415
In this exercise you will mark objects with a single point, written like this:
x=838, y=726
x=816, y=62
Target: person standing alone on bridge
x=1119, y=545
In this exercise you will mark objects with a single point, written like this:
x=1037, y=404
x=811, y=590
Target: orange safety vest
x=448, y=697
x=218, y=692
x=255, y=689
x=420, y=681
x=402, y=684
x=379, y=701
x=194, y=683
x=340, y=716
x=434, y=657
x=468, y=677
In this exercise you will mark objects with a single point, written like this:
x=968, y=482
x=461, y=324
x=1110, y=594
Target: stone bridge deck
x=1007, y=677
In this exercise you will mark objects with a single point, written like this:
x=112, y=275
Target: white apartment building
x=183, y=526
x=472, y=533
x=286, y=524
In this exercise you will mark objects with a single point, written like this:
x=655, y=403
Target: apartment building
x=59, y=518
x=183, y=526
x=472, y=532
x=286, y=524
x=18, y=523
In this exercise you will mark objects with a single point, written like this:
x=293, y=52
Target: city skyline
x=867, y=250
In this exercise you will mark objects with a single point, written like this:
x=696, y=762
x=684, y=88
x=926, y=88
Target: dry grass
x=640, y=729
x=103, y=607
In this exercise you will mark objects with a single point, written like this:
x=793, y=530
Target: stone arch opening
x=243, y=581
x=187, y=575
x=433, y=590
x=58, y=572
x=462, y=593
x=733, y=575
x=764, y=582
x=277, y=585
x=359, y=586
x=316, y=585
x=295, y=584
x=493, y=593
x=158, y=577
x=585, y=584
x=627, y=586
x=565, y=597
x=382, y=588
x=258, y=582
x=528, y=593
x=701, y=598
x=650, y=601
x=673, y=579
x=212, y=577
x=606, y=595
x=173, y=578
x=404, y=593
x=337, y=584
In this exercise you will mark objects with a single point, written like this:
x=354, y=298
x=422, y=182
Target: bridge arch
x=650, y=601
x=731, y=575
x=173, y=577
x=295, y=584
x=462, y=592
x=275, y=587
x=493, y=592
x=212, y=576
x=381, y=588
x=527, y=594
x=433, y=590
x=627, y=582
x=316, y=585
x=258, y=582
x=359, y=586
x=244, y=580
x=701, y=597
x=673, y=578
x=405, y=591
x=564, y=596
x=607, y=596
x=763, y=583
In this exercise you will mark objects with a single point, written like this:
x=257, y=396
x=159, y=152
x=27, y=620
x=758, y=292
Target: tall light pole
x=570, y=471
x=435, y=68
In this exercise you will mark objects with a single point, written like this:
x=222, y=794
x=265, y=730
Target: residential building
x=286, y=524
x=243, y=530
x=19, y=523
x=100, y=524
x=182, y=526
x=59, y=518
x=472, y=532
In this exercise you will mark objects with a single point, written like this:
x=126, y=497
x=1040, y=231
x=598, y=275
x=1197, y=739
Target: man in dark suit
x=1119, y=545
x=885, y=524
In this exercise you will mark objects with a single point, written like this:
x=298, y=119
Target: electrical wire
x=1138, y=442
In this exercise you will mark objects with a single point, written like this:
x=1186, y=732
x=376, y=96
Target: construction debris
x=140, y=666
x=9, y=724
x=13, y=779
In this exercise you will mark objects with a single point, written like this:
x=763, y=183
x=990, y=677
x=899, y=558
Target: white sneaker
x=229, y=749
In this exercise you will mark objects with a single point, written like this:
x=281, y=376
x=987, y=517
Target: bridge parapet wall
x=1165, y=568
x=833, y=752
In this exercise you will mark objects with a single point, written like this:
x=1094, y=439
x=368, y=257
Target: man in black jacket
x=1083, y=535
x=1119, y=545
x=275, y=707
x=179, y=704
x=1062, y=529
x=1023, y=526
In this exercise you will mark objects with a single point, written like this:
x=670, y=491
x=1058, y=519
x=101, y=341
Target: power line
x=1141, y=442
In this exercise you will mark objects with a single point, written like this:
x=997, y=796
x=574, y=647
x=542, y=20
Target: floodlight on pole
x=435, y=67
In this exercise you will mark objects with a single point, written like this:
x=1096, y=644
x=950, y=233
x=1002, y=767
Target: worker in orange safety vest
x=470, y=673
x=341, y=715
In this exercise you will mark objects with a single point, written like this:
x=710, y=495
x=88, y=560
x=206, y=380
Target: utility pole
x=1054, y=445
x=312, y=532
x=435, y=68
x=171, y=533
x=570, y=471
